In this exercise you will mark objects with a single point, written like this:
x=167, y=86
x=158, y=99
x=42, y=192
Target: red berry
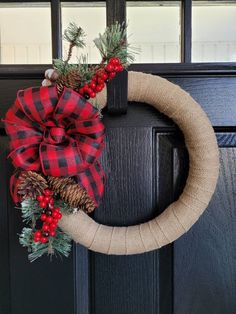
x=44, y=239
x=59, y=215
x=81, y=91
x=57, y=210
x=109, y=67
x=55, y=221
x=86, y=87
x=99, y=88
x=51, y=201
x=47, y=192
x=112, y=75
x=92, y=85
x=93, y=95
x=120, y=68
x=49, y=219
x=99, y=73
x=116, y=68
x=37, y=239
x=54, y=214
x=52, y=233
x=45, y=227
x=52, y=227
x=42, y=204
x=104, y=76
x=100, y=81
x=40, y=198
x=37, y=234
x=43, y=217
x=47, y=199
x=114, y=61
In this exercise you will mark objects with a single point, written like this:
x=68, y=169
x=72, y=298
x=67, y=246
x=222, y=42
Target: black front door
x=146, y=165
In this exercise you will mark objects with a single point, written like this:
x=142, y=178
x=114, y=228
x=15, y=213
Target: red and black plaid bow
x=58, y=136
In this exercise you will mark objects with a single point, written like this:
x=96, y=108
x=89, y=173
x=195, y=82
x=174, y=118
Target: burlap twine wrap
x=201, y=182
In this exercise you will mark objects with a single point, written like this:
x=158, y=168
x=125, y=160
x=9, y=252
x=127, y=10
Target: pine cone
x=31, y=184
x=71, y=80
x=72, y=193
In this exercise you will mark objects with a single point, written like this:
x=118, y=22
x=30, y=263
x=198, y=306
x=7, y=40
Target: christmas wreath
x=56, y=138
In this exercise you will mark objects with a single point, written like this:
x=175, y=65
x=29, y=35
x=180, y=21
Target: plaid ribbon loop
x=57, y=136
x=54, y=135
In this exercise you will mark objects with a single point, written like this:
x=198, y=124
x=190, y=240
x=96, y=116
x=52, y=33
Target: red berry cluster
x=100, y=78
x=49, y=216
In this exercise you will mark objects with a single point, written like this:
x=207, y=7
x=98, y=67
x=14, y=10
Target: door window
x=25, y=33
x=214, y=31
x=164, y=31
x=92, y=18
x=154, y=28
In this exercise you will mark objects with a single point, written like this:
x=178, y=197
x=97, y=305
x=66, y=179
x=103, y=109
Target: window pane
x=154, y=27
x=25, y=33
x=91, y=16
x=214, y=31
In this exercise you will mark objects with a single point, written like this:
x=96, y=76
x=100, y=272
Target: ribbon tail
x=93, y=180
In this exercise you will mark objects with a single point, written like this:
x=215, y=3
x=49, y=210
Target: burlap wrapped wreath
x=179, y=216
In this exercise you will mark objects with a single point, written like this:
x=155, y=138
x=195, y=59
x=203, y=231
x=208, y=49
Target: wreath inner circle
x=179, y=216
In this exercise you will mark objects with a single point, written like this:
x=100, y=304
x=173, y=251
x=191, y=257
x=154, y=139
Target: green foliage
x=30, y=210
x=74, y=35
x=65, y=208
x=61, y=244
x=63, y=67
x=113, y=42
x=86, y=71
x=58, y=245
x=35, y=250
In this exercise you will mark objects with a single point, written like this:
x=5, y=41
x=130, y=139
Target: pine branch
x=62, y=67
x=58, y=245
x=64, y=207
x=113, y=42
x=74, y=35
x=30, y=210
x=36, y=250
x=61, y=244
x=87, y=71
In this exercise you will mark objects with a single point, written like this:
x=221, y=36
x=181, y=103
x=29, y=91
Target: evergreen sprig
x=30, y=210
x=58, y=245
x=86, y=70
x=113, y=42
x=74, y=35
x=63, y=67
x=65, y=208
